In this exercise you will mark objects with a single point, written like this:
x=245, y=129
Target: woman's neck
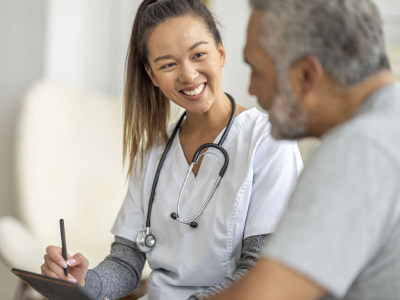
x=199, y=126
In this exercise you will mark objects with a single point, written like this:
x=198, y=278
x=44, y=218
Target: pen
x=64, y=245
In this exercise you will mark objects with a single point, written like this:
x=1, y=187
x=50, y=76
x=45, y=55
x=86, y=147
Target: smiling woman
x=176, y=54
x=187, y=67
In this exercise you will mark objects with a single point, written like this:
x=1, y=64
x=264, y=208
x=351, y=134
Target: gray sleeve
x=340, y=215
x=119, y=273
x=251, y=248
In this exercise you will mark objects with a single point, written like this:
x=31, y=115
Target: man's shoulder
x=375, y=125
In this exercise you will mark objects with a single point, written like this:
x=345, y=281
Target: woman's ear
x=152, y=77
x=306, y=74
x=221, y=50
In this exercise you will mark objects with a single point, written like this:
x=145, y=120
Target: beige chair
x=69, y=165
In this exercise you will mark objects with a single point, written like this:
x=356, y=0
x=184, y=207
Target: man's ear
x=306, y=74
x=221, y=50
x=152, y=77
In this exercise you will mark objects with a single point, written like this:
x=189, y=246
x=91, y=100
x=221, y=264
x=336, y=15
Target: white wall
x=390, y=10
x=233, y=17
x=391, y=16
x=87, y=42
x=22, y=27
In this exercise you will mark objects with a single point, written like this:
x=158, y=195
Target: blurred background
x=80, y=46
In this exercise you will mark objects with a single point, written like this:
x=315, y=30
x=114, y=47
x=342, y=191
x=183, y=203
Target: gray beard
x=288, y=119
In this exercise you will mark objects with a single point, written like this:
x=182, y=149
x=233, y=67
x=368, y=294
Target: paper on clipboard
x=52, y=288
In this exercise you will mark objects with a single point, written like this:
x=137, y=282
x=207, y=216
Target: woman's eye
x=200, y=54
x=168, y=66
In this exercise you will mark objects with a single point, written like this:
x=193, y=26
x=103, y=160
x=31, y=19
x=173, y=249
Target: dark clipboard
x=52, y=288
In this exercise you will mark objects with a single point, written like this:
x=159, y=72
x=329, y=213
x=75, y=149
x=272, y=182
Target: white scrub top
x=249, y=201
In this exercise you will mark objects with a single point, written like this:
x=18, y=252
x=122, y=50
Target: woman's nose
x=188, y=73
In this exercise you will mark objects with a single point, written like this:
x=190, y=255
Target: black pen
x=64, y=246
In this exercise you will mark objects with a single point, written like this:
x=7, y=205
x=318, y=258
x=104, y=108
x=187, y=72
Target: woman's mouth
x=194, y=92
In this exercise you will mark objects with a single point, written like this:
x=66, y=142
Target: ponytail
x=146, y=109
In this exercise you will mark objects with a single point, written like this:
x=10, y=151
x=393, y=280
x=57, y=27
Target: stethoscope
x=145, y=240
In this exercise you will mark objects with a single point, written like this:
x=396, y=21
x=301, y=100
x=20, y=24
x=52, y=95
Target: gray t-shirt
x=342, y=224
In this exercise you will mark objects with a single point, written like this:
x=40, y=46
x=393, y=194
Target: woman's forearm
x=119, y=273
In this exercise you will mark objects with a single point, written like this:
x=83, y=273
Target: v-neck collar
x=212, y=153
x=211, y=164
x=205, y=167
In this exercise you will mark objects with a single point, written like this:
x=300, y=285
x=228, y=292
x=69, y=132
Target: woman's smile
x=194, y=92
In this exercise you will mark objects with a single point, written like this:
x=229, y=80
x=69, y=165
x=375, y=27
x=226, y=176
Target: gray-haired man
x=320, y=69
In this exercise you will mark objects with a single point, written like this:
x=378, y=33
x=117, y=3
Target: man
x=320, y=69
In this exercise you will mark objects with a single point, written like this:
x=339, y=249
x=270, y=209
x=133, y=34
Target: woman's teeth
x=195, y=92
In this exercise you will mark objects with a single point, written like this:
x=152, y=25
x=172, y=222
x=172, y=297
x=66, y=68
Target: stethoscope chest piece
x=145, y=240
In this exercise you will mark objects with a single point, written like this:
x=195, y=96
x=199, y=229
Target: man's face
x=263, y=72
x=273, y=91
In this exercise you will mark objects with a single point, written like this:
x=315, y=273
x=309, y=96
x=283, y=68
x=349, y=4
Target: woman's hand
x=54, y=265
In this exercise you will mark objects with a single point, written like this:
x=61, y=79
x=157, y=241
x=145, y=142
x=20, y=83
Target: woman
x=206, y=235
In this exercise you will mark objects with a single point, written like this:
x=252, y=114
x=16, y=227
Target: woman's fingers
x=54, y=268
x=55, y=254
x=46, y=271
x=79, y=261
x=55, y=264
x=50, y=268
x=78, y=267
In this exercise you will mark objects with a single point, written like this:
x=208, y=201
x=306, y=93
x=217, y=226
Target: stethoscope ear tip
x=193, y=224
x=175, y=216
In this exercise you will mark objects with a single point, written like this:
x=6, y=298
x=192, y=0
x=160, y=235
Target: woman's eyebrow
x=168, y=56
x=197, y=44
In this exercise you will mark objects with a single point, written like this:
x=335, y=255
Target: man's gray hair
x=345, y=35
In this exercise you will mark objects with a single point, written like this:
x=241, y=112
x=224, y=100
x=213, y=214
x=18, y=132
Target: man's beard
x=288, y=119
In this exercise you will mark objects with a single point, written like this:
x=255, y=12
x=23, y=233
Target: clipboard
x=53, y=288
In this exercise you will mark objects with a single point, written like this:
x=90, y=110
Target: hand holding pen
x=64, y=246
x=58, y=264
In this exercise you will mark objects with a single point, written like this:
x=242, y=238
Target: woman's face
x=185, y=63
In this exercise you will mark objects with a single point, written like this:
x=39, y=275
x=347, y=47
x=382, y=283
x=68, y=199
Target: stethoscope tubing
x=197, y=155
x=157, y=175
x=194, y=160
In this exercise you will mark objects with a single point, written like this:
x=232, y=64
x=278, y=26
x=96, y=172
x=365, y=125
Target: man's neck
x=342, y=103
x=358, y=94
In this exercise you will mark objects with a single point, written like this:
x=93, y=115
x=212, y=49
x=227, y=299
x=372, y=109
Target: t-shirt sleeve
x=338, y=215
x=131, y=217
x=276, y=167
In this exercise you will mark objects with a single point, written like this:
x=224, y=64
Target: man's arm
x=271, y=280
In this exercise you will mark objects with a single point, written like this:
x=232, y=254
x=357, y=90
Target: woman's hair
x=146, y=109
